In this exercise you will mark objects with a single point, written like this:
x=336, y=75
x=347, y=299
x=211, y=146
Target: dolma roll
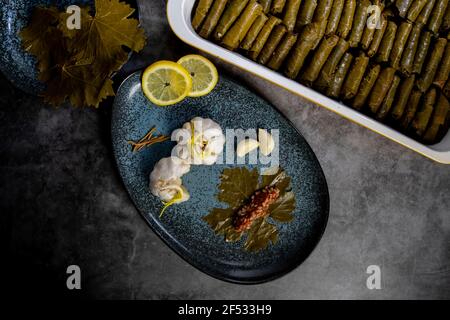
x=291, y=13
x=319, y=58
x=381, y=88
x=376, y=16
x=415, y=9
x=388, y=101
x=212, y=18
x=301, y=50
x=322, y=28
x=387, y=42
x=262, y=37
x=277, y=6
x=423, y=116
x=282, y=51
x=323, y=10
x=335, y=17
x=321, y=16
x=401, y=39
x=366, y=87
x=359, y=22
x=230, y=15
x=272, y=43
x=422, y=51
x=341, y=72
x=239, y=30
x=437, y=15
x=425, y=14
x=346, y=22
x=428, y=74
x=355, y=76
x=403, y=7
x=378, y=37
x=446, y=21
x=201, y=11
x=446, y=89
x=327, y=72
x=306, y=13
x=407, y=62
x=443, y=71
x=367, y=37
x=438, y=120
x=255, y=29
x=410, y=112
x=404, y=91
x=266, y=4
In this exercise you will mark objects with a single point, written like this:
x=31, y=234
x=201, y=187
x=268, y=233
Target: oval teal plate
x=182, y=227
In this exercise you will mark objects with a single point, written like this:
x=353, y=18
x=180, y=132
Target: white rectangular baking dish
x=179, y=16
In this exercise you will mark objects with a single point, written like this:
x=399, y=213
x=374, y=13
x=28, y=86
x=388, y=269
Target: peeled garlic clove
x=246, y=146
x=266, y=142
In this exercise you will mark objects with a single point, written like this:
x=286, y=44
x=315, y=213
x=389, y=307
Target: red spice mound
x=258, y=207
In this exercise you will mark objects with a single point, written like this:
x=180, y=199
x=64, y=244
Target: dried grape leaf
x=237, y=185
x=78, y=64
x=282, y=209
x=260, y=235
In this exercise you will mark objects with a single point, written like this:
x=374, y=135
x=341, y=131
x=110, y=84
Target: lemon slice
x=203, y=72
x=166, y=83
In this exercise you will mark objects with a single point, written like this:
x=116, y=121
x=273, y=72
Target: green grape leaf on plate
x=236, y=187
x=260, y=235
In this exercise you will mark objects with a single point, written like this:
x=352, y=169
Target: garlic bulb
x=165, y=179
x=200, y=141
x=168, y=190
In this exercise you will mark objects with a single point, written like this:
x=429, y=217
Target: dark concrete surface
x=62, y=203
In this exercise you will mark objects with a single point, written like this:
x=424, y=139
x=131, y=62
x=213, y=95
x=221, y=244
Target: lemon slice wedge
x=203, y=72
x=166, y=83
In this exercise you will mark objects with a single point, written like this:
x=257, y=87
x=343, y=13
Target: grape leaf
x=280, y=180
x=101, y=37
x=78, y=64
x=281, y=210
x=78, y=84
x=237, y=185
x=221, y=221
x=260, y=235
x=41, y=36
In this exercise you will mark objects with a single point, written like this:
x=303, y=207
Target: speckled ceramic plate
x=182, y=227
x=18, y=66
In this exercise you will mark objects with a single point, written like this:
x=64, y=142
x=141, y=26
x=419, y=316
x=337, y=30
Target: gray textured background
x=63, y=203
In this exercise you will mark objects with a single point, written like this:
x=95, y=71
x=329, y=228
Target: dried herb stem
x=147, y=141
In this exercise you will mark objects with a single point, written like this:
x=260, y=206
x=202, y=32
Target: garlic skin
x=168, y=190
x=165, y=179
x=246, y=146
x=266, y=142
x=200, y=141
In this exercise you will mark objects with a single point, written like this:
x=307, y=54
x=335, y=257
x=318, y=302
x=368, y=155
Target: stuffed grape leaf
x=235, y=189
